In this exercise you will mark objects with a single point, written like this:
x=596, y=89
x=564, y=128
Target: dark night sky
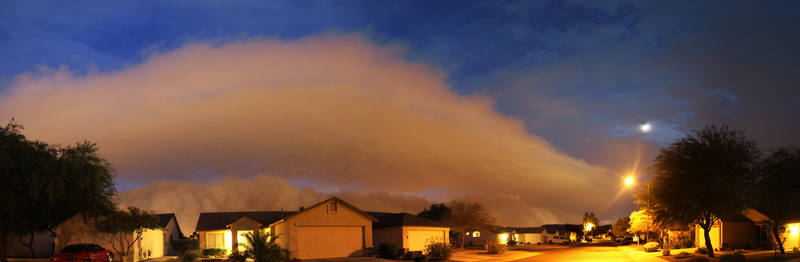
x=577, y=78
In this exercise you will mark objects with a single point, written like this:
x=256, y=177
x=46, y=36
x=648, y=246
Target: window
x=215, y=240
x=333, y=207
x=476, y=234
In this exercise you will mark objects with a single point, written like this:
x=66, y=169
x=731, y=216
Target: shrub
x=421, y=258
x=701, y=250
x=732, y=258
x=237, y=257
x=213, y=252
x=651, y=247
x=496, y=249
x=438, y=251
x=686, y=243
x=699, y=259
x=795, y=249
x=261, y=247
x=191, y=255
x=182, y=245
x=682, y=255
x=388, y=250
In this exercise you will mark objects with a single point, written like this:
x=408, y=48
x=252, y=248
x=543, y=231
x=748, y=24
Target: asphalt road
x=592, y=254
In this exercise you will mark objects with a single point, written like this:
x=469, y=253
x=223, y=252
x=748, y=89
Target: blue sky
x=581, y=74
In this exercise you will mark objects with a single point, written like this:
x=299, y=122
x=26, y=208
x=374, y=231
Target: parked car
x=557, y=240
x=83, y=253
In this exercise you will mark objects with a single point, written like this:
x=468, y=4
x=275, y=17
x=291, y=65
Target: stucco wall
x=171, y=234
x=387, y=235
x=42, y=246
x=337, y=222
x=77, y=231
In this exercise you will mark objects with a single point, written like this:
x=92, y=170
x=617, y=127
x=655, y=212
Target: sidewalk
x=637, y=254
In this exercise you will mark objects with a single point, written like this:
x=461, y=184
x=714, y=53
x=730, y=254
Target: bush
x=651, y=247
x=191, y=255
x=686, y=243
x=699, y=259
x=438, y=251
x=181, y=246
x=213, y=252
x=701, y=250
x=682, y=255
x=388, y=250
x=421, y=258
x=795, y=249
x=237, y=257
x=496, y=249
x=732, y=258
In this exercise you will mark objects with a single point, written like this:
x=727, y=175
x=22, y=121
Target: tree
x=261, y=247
x=776, y=191
x=700, y=178
x=590, y=221
x=47, y=184
x=466, y=217
x=641, y=223
x=123, y=228
x=620, y=228
x=438, y=212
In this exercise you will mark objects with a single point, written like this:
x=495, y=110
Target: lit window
x=215, y=240
x=794, y=229
x=476, y=234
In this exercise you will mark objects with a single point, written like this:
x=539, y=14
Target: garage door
x=418, y=239
x=328, y=242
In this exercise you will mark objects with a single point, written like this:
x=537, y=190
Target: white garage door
x=418, y=239
x=328, y=242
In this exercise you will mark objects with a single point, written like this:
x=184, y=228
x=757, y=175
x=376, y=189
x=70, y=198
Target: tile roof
x=402, y=219
x=221, y=220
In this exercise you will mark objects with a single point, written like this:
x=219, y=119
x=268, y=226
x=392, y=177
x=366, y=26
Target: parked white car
x=557, y=240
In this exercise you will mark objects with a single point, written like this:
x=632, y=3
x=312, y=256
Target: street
x=595, y=253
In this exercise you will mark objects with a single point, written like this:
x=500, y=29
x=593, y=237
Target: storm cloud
x=329, y=114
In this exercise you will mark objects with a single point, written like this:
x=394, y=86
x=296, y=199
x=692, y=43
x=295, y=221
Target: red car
x=83, y=253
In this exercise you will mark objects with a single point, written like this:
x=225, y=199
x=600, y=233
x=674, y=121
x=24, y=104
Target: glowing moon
x=645, y=128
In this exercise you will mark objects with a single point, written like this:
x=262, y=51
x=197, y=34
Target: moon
x=645, y=128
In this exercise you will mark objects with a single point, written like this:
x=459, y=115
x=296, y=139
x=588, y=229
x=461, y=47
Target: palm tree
x=261, y=247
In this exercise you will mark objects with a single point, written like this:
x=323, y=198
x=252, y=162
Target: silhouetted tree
x=48, y=184
x=466, y=217
x=438, y=212
x=700, y=178
x=123, y=228
x=620, y=228
x=776, y=193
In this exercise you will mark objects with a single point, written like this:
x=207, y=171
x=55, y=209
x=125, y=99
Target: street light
x=629, y=181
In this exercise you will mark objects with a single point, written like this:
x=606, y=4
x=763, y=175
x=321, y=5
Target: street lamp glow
x=629, y=181
x=588, y=227
x=645, y=128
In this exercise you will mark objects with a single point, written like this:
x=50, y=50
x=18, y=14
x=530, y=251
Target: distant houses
x=551, y=233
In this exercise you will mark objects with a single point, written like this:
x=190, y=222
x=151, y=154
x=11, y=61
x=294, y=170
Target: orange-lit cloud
x=331, y=110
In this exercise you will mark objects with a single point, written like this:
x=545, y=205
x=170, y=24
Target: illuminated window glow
x=503, y=238
x=794, y=229
x=476, y=234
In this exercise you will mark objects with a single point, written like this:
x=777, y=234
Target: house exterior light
x=794, y=229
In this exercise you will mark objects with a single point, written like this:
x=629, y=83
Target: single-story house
x=735, y=231
x=528, y=235
x=749, y=227
x=172, y=232
x=410, y=232
x=77, y=230
x=496, y=235
x=564, y=231
x=330, y=229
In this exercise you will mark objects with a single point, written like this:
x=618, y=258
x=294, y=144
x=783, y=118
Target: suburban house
x=172, y=232
x=410, y=232
x=528, y=235
x=744, y=230
x=496, y=235
x=563, y=231
x=77, y=230
x=332, y=228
